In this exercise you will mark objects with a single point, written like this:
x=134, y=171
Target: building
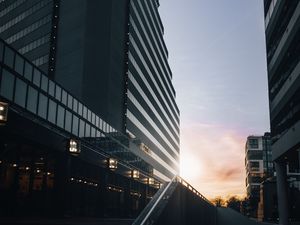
x=100, y=99
x=282, y=29
x=259, y=166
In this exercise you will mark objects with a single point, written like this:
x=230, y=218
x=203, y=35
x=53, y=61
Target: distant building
x=259, y=166
x=282, y=19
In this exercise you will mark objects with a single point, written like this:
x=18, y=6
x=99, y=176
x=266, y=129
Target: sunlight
x=190, y=167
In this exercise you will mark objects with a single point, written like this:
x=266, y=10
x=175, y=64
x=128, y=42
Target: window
x=20, y=94
x=9, y=57
x=43, y=101
x=7, y=85
x=28, y=71
x=19, y=64
x=60, y=116
x=52, y=111
x=254, y=166
x=37, y=77
x=253, y=143
x=32, y=99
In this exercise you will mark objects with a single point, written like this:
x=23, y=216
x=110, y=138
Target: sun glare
x=190, y=167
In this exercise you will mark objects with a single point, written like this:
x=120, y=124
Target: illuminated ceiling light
x=3, y=112
x=135, y=174
x=150, y=181
x=112, y=164
x=74, y=147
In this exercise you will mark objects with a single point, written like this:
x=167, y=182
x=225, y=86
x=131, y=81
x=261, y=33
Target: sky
x=217, y=56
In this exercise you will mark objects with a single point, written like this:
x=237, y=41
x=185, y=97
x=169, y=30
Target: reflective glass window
x=75, y=125
x=70, y=101
x=42, y=109
x=89, y=115
x=52, y=111
x=20, y=93
x=75, y=104
x=51, y=88
x=44, y=84
x=81, y=128
x=97, y=121
x=84, y=112
x=9, y=57
x=32, y=100
x=68, y=121
x=93, y=118
x=7, y=84
x=19, y=64
x=60, y=116
x=37, y=77
x=93, y=132
x=28, y=71
x=58, y=93
x=87, y=130
x=64, y=97
x=79, y=108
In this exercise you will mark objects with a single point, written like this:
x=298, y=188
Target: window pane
x=68, y=121
x=70, y=101
x=89, y=115
x=52, y=111
x=32, y=99
x=93, y=132
x=81, y=128
x=9, y=57
x=58, y=93
x=37, y=77
x=51, y=88
x=75, y=104
x=64, y=97
x=7, y=84
x=79, y=108
x=20, y=93
x=44, y=84
x=84, y=112
x=28, y=71
x=19, y=64
x=60, y=116
x=75, y=125
x=87, y=130
x=43, y=100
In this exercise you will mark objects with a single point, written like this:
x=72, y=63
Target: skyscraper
x=92, y=78
x=282, y=20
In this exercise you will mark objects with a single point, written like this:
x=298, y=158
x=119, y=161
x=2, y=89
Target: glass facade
x=152, y=113
x=32, y=170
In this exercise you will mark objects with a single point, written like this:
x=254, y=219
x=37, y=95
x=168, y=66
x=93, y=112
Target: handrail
x=148, y=211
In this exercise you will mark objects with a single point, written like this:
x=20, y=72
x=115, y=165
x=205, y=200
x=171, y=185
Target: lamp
x=3, y=112
x=74, y=147
x=150, y=181
x=135, y=174
x=112, y=164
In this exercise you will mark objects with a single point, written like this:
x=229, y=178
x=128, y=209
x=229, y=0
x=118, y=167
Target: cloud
x=219, y=155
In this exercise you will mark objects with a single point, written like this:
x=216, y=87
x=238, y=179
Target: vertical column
x=282, y=193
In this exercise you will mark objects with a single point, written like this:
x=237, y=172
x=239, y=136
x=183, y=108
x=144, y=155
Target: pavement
x=227, y=216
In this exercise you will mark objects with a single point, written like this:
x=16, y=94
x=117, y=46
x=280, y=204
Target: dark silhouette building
x=90, y=125
x=282, y=27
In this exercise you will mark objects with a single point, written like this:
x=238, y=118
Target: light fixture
x=150, y=181
x=112, y=164
x=135, y=174
x=3, y=112
x=74, y=147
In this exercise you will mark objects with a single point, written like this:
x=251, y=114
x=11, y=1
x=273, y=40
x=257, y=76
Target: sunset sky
x=217, y=55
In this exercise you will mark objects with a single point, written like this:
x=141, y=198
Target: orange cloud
x=218, y=155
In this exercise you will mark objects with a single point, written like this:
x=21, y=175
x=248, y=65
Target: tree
x=234, y=203
x=218, y=201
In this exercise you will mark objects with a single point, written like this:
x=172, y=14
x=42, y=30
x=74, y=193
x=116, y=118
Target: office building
x=101, y=99
x=282, y=20
x=259, y=166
